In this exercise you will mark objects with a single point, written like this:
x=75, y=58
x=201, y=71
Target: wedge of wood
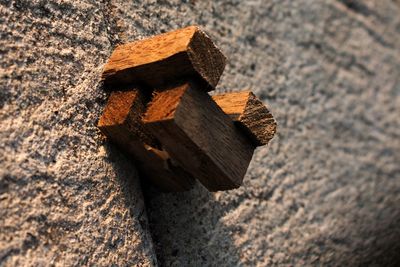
x=250, y=114
x=165, y=58
x=179, y=133
x=121, y=123
x=200, y=136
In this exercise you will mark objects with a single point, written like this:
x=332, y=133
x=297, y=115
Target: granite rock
x=326, y=191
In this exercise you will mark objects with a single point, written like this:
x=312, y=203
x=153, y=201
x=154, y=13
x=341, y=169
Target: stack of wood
x=160, y=112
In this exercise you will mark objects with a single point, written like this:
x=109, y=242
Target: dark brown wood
x=165, y=58
x=121, y=123
x=250, y=114
x=200, y=136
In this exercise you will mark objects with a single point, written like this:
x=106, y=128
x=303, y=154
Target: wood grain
x=250, y=114
x=165, y=58
x=200, y=136
x=121, y=123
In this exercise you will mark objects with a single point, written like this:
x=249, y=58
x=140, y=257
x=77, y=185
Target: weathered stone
x=324, y=192
x=66, y=197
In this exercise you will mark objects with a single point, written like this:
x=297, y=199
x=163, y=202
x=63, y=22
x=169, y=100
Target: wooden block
x=200, y=136
x=249, y=113
x=166, y=58
x=121, y=123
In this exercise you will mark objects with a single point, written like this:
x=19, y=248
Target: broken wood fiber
x=200, y=136
x=121, y=123
x=250, y=114
x=157, y=61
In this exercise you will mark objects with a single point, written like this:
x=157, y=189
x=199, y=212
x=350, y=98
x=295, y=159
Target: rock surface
x=326, y=191
x=67, y=198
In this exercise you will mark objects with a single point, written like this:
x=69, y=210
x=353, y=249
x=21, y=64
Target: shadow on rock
x=187, y=230
x=384, y=247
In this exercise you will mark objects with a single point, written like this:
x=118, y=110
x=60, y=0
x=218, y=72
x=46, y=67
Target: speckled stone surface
x=325, y=192
x=67, y=198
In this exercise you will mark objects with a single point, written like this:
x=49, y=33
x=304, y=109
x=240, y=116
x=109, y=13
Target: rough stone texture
x=325, y=192
x=66, y=197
